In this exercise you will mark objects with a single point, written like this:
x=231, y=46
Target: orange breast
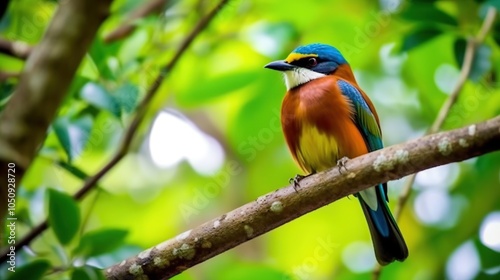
x=318, y=124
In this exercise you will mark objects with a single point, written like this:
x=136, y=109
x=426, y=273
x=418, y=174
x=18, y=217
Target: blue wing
x=364, y=118
x=387, y=239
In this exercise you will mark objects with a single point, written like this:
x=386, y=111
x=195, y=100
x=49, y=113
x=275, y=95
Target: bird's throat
x=299, y=76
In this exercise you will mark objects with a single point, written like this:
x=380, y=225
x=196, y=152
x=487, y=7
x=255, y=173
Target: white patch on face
x=299, y=76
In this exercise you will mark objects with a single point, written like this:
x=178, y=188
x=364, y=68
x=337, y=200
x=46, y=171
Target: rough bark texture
x=283, y=205
x=43, y=84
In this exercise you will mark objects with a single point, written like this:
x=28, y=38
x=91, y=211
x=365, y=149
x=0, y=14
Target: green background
x=406, y=56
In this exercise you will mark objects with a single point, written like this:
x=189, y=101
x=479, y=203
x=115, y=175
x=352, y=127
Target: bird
x=326, y=118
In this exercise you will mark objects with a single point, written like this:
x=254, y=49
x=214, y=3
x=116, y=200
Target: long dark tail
x=387, y=240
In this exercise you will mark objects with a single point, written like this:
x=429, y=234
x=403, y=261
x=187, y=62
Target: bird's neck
x=344, y=72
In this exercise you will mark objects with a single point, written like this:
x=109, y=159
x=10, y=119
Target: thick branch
x=281, y=206
x=43, y=84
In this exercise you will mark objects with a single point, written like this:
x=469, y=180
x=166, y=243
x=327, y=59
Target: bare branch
x=17, y=49
x=283, y=205
x=7, y=75
x=472, y=45
x=128, y=26
x=134, y=125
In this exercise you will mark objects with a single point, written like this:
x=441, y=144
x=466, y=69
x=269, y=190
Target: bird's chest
x=314, y=125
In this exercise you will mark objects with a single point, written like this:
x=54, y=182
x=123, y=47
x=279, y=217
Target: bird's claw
x=295, y=180
x=341, y=163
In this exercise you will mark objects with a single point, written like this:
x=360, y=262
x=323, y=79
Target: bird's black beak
x=279, y=65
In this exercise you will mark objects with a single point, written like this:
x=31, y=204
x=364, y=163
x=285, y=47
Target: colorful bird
x=325, y=117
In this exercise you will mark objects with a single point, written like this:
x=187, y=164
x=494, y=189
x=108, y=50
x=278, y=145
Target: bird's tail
x=387, y=240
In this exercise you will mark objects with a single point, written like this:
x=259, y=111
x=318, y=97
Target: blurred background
x=212, y=140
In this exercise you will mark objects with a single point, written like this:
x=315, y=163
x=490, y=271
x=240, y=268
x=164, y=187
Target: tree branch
x=470, y=51
x=128, y=26
x=134, y=125
x=43, y=84
x=283, y=205
x=4, y=76
x=17, y=49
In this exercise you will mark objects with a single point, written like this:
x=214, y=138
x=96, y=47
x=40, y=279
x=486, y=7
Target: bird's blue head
x=320, y=58
x=307, y=63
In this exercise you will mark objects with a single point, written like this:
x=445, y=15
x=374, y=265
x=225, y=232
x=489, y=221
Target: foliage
x=406, y=56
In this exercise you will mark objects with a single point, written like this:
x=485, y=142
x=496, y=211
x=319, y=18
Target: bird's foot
x=341, y=163
x=295, y=180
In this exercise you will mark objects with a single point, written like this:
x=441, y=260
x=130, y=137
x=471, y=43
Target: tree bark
x=43, y=84
x=283, y=205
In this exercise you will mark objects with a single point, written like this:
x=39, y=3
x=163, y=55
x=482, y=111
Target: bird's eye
x=311, y=62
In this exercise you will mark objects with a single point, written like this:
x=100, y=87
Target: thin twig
x=127, y=27
x=472, y=45
x=4, y=76
x=136, y=121
x=278, y=207
x=17, y=49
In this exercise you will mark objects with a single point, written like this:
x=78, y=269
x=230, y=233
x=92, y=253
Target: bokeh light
x=489, y=233
x=464, y=263
x=174, y=138
x=359, y=257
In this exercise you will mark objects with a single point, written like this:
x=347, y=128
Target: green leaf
x=482, y=62
x=95, y=243
x=482, y=59
x=419, y=36
x=100, y=52
x=33, y=270
x=77, y=84
x=6, y=90
x=77, y=172
x=459, y=51
x=73, y=134
x=88, y=69
x=493, y=3
x=207, y=90
x=96, y=95
x=427, y=12
x=488, y=276
x=64, y=216
x=87, y=273
x=496, y=33
x=127, y=96
x=489, y=258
